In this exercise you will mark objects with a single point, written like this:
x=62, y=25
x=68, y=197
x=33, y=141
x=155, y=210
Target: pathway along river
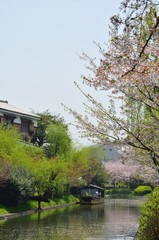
x=116, y=219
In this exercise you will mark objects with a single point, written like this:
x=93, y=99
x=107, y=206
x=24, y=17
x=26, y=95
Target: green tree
x=47, y=119
x=77, y=166
x=52, y=134
x=50, y=179
x=96, y=173
x=59, y=177
x=85, y=167
x=58, y=141
x=41, y=171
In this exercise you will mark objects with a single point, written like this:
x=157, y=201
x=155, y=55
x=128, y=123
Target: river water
x=116, y=219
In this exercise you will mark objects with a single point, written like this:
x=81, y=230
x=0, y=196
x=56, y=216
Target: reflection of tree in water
x=92, y=212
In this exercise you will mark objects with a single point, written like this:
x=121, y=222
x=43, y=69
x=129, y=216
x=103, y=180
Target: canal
x=116, y=219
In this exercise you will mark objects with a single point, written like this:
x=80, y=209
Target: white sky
x=39, y=45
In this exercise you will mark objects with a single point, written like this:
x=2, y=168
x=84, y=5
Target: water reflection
x=116, y=219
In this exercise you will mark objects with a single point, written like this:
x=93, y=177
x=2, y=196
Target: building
x=25, y=122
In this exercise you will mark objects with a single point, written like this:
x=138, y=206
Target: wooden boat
x=91, y=195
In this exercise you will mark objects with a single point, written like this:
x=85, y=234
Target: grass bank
x=31, y=205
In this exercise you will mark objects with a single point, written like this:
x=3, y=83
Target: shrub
x=121, y=185
x=60, y=202
x=149, y=219
x=22, y=179
x=70, y=199
x=142, y=190
x=118, y=191
x=156, y=188
x=18, y=188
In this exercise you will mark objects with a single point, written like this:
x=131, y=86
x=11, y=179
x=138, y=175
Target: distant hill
x=106, y=153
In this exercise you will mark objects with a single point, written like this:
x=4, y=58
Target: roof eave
x=18, y=114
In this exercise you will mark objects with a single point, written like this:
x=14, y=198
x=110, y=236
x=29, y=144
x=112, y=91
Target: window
x=24, y=126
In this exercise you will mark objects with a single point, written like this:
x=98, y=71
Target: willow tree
x=129, y=69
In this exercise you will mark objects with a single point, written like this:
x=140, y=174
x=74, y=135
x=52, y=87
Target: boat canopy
x=92, y=190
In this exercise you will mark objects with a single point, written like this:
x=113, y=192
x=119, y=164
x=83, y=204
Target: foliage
x=41, y=170
x=27, y=161
x=33, y=152
x=4, y=171
x=29, y=205
x=128, y=71
x=70, y=199
x=52, y=134
x=149, y=219
x=3, y=210
x=13, y=151
x=50, y=177
x=59, y=177
x=96, y=173
x=25, y=170
x=9, y=139
x=47, y=119
x=142, y=190
x=84, y=168
x=16, y=181
x=119, y=191
x=156, y=188
x=18, y=188
x=23, y=180
x=77, y=166
x=58, y=141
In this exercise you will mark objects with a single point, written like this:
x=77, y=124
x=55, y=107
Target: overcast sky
x=40, y=41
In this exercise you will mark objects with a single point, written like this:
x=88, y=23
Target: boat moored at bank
x=91, y=195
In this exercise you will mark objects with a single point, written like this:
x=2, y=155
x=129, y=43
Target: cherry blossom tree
x=128, y=172
x=128, y=71
x=120, y=172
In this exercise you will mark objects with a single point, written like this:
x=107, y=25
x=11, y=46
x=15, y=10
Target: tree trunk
x=39, y=204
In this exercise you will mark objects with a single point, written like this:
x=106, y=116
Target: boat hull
x=91, y=200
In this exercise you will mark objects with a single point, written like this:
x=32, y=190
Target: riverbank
x=32, y=207
x=24, y=213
